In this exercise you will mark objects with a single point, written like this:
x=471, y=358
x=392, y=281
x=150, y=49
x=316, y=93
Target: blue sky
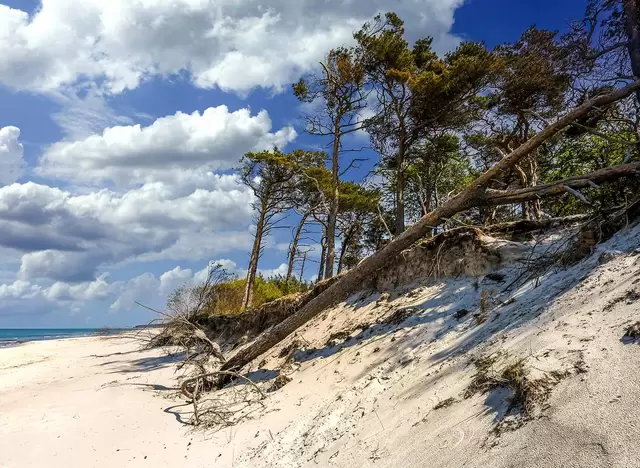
x=120, y=126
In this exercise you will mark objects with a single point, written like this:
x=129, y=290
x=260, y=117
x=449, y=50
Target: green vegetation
x=228, y=295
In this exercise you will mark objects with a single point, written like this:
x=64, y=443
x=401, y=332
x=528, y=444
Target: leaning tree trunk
x=345, y=245
x=353, y=280
x=559, y=187
x=400, y=188
x=323, y=258
x=293, y=250
x=253, y=262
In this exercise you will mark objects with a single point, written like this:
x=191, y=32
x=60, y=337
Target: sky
x=121, y=122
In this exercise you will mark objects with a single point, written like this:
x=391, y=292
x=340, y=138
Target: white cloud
x=143, y=286
x=11, y=151
x=173, y=279
x=18, y=290
x=213, y=140
x=118, y=296
x=233, y=44
x=269, y=272
x=90, y=291
x=68, y=237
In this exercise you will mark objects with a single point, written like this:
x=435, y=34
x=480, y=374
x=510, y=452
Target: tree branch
x=560, y=187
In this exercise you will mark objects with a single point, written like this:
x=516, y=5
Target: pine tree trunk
x=400, y=205
x=253, y=262
x=304, y=261
x=344, y=247
x=333, y=209
x=293, y=249
x=400, y=186
x=323, y=258
x=536, y=207
x=353, y=280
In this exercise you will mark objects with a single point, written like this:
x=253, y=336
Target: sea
x=15, y=336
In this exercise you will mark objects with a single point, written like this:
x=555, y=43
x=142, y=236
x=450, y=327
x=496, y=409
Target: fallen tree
x=477, y=193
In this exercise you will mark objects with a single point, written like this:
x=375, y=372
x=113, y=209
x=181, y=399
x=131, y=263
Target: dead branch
x=222, y=410
x=185, y=391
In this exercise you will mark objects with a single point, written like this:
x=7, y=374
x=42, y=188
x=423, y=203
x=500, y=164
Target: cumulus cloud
x=90, y=291
x=233, y=44
x=213, y=140
x=18, y=290
x=117, y=296
x=11, y=150
x=143, y=286
x=179, y=208
x=66, y=237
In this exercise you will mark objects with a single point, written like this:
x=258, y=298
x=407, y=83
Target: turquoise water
x=9, y=336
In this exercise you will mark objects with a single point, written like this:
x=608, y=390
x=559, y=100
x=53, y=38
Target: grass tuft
x=528, y=393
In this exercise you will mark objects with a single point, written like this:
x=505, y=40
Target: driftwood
x=468, y=198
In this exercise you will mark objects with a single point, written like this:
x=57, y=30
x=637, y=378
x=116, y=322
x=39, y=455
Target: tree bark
x=304, y=261
x=293, y=249
x=523, y=184
x=348, y=237
x=535, y=204
x=253, y=262
x=632, y=28
x=332, y=218
x=323, y=258
x=353, y=280
x=400, y=185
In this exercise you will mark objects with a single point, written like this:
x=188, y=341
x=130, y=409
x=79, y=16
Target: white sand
x=89, y=402
x=369, y=404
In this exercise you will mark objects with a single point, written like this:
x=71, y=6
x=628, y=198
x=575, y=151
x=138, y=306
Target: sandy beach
x=90, y=402
x=373, y=400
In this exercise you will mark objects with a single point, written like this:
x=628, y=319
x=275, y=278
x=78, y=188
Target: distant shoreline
x=13, y=337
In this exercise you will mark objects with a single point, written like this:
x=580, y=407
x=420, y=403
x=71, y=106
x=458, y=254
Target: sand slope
x=367, y=401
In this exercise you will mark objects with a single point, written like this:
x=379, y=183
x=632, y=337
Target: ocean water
x=11, y=336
